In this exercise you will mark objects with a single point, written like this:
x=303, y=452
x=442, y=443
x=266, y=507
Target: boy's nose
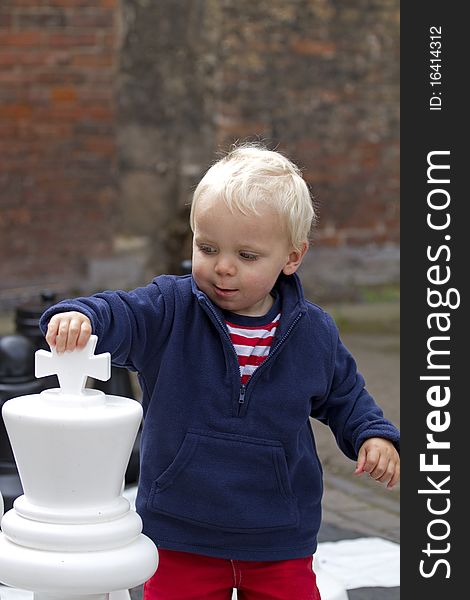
x=224, y=266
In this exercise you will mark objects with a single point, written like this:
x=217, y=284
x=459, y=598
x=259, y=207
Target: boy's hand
x=68, y=331
x=379, y=458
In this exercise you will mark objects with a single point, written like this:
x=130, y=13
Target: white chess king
x=72, y=535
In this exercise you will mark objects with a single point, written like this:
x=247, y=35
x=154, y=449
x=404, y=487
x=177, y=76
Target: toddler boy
x=233, y=361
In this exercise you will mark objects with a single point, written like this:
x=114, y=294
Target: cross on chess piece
x=73, y=368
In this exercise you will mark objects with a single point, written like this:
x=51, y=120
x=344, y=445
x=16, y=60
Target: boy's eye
x=207, y=249
x=248, y=256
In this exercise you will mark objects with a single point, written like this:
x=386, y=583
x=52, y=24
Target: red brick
x=15, y=111
x=64, y=94
x=311, y=47
x=70, y=40
x=19, y=39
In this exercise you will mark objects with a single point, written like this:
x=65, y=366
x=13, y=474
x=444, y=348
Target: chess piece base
x=77, y=573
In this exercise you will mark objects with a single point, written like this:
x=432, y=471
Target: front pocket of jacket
x=227, y=481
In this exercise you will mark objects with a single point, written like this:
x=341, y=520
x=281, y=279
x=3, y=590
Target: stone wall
x=166, y=121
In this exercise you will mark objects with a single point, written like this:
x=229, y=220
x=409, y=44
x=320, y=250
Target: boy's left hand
x=379, y=457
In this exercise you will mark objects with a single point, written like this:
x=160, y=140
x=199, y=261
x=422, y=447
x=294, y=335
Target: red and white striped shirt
x=252, y=344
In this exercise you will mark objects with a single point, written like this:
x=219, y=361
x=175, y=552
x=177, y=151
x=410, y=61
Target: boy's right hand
x=68, y=331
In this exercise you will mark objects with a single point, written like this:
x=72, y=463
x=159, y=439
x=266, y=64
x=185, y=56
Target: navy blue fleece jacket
x=226, y=470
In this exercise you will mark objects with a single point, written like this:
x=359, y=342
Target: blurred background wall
x=111, y=111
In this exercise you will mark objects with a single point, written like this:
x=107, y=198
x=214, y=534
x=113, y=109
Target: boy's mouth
x=224, y=292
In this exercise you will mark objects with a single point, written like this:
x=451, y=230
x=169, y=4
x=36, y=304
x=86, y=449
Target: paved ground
x=358, y=506
x=359, y=503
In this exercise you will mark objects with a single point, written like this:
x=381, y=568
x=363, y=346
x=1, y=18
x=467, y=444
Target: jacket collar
x=292, y=299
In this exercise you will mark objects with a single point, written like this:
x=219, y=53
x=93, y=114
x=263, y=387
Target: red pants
x=187, y=576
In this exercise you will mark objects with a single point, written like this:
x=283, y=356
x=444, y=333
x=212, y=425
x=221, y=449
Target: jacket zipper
x=243, y=386
x=241, y=399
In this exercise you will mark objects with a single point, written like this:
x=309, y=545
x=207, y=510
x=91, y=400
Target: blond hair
x=251, y=175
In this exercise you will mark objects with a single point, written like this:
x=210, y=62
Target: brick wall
x=110, y=111
x=317, y=78
x=57, y=140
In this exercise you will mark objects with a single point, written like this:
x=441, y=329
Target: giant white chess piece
x=72, y=535
x=330, y=588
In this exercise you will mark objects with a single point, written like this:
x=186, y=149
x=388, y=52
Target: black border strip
x=434, y=123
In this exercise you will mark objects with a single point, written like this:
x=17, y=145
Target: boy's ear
x=294, y=260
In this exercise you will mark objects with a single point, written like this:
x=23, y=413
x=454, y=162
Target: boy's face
x=237, y=258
